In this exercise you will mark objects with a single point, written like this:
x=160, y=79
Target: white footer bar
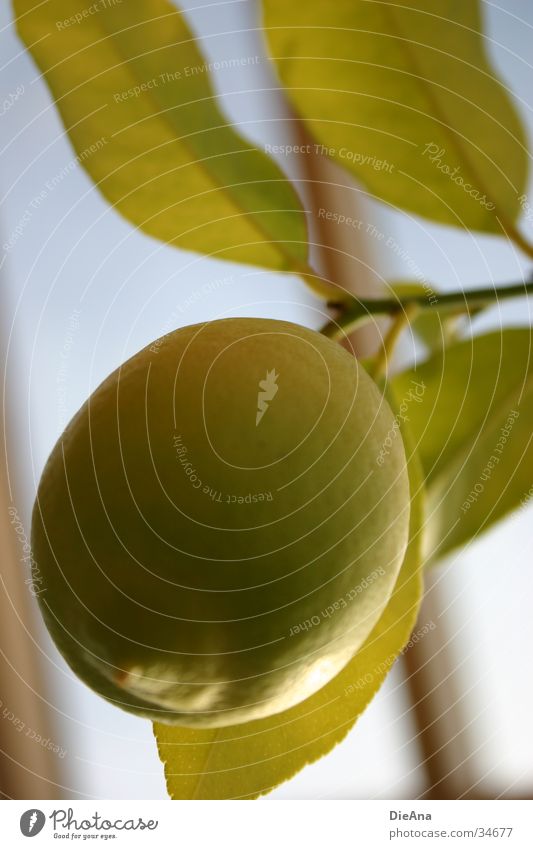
x=269, y=825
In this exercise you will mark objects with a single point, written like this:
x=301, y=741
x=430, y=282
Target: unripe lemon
x=215, y=534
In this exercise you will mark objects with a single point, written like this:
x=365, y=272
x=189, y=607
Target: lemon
x=214, y=533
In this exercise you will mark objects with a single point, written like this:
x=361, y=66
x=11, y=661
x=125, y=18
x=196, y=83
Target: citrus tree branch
x=400, y=322
x=355, y=311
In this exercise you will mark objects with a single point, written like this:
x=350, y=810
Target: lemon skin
x=214, y=533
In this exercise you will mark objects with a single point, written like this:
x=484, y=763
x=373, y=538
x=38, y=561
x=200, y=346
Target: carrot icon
x=269, y=388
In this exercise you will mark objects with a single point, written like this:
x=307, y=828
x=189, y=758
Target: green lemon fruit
x=217, y=530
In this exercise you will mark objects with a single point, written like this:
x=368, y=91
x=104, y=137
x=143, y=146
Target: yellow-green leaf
x=405, y=97
x=473, y=430
x=246, y=761
x=133, y=91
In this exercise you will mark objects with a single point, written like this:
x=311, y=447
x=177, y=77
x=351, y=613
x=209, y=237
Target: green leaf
x=473, y=431
x=405, y=97
x=247, y=761
x=435, y=328
x=133, y=91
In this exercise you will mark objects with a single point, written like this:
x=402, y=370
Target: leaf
x=404, y=96
x=473, y=432
x=249, y=760
x=133, y=91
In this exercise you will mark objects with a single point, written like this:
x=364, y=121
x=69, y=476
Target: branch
x=355, y=311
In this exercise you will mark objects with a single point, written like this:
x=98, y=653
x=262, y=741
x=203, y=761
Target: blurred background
x=81, y=291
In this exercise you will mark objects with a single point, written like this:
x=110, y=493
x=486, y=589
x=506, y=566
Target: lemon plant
x=213, y=547
x=232, y=529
